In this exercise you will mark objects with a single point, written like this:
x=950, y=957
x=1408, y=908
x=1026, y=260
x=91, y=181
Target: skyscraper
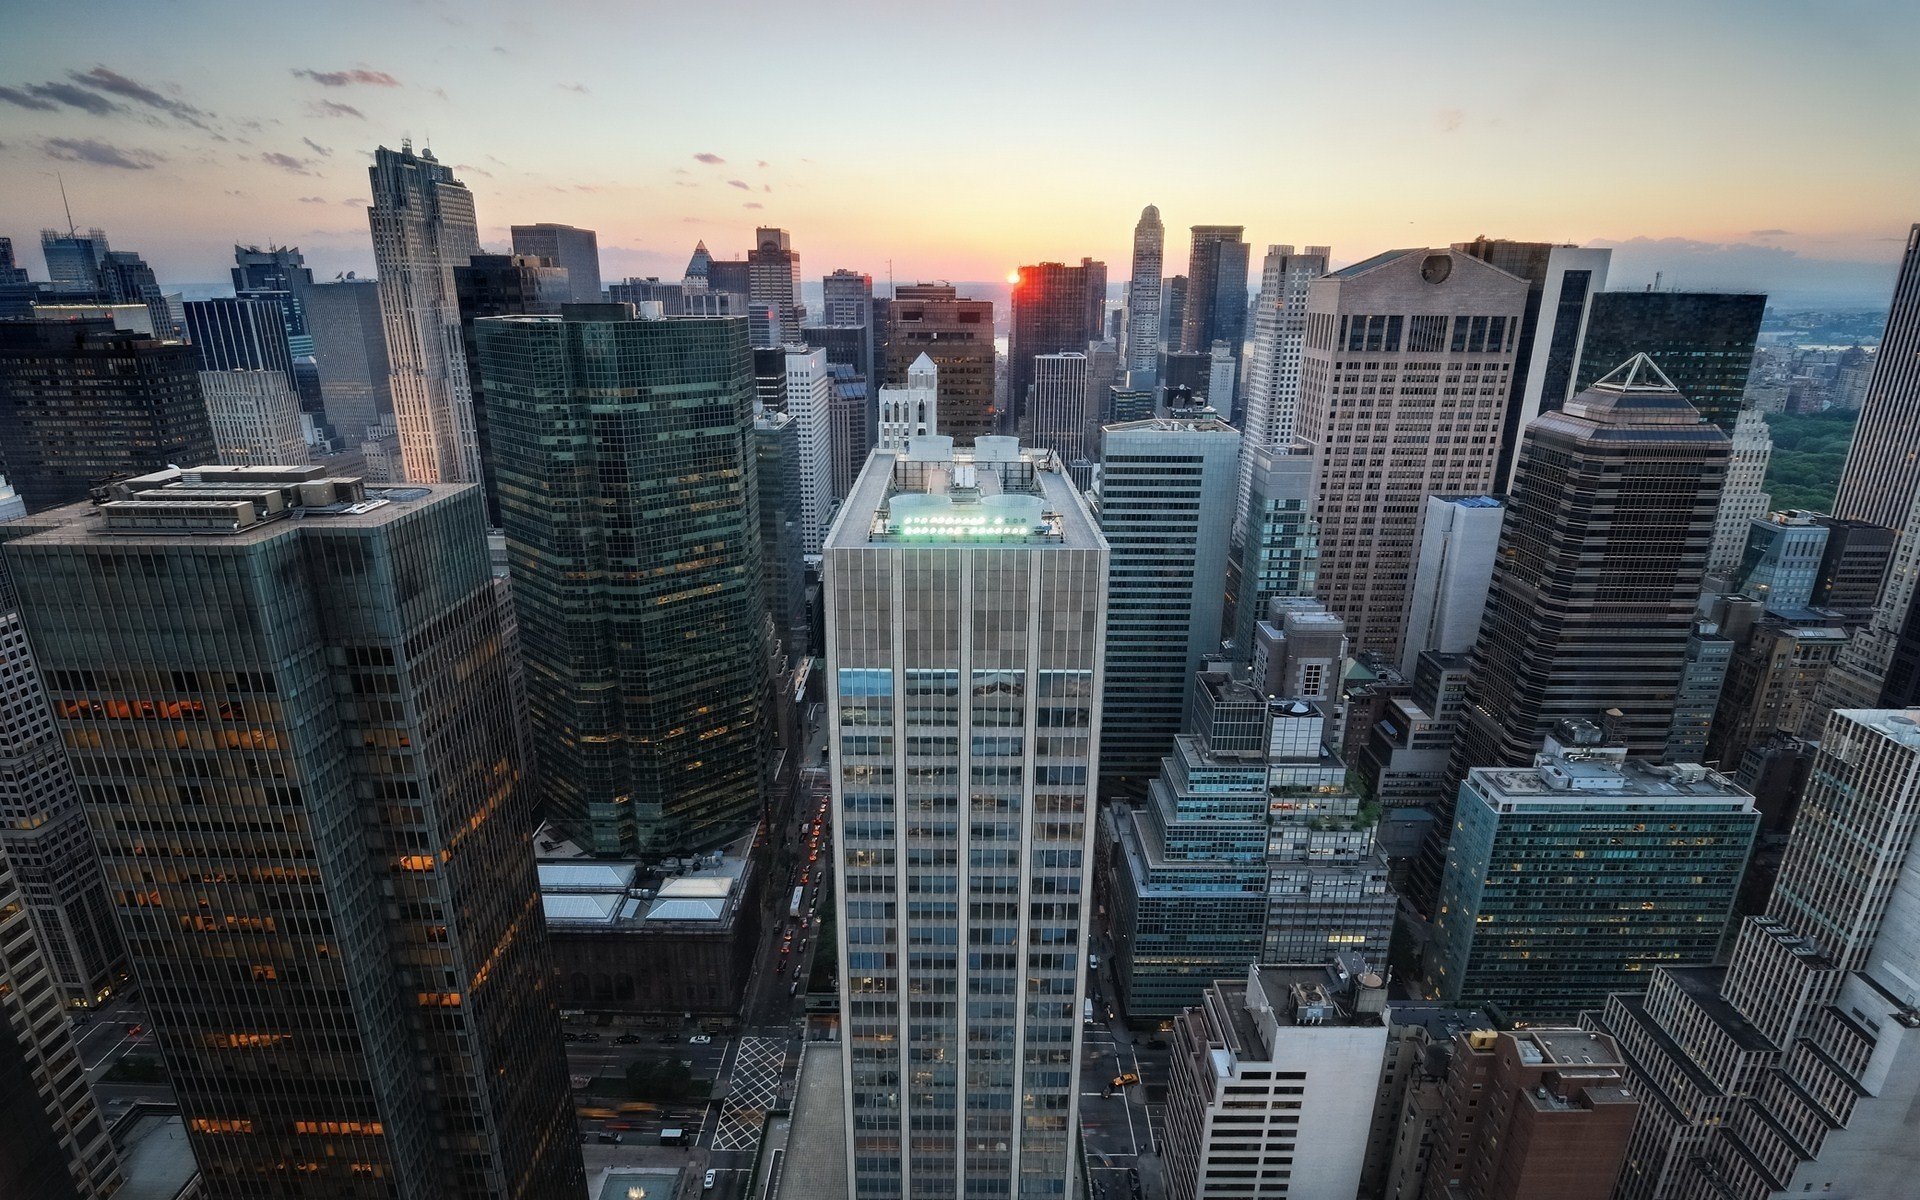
x=56, y=1144
x=239, y=334
x=1056, y=309
x=1561, y=284
x=1404, y=377
x=846, y=300
x=255, y=418
x=43, y=830
x=576, y=251
x=966, y=608
x=74, y=260
x=275, y=269
x=1216, y=301
x=501, y=285
x=1796, y=1068
x=350, y=349
x=1279, y=550
x=957, y=334
x=777, y=464
x=1882, y=474
x=423, y=227
x=81, y=401
x=349, y=987
x=774, y=311
x=1743, y=499
x=643, y=638
x=808, y=392
x=1057, y=417
x=1164, y=487
x=1458, y=543
x=1273, y=369
x=1143, y=292
x=125, y=278
x=1702, y=341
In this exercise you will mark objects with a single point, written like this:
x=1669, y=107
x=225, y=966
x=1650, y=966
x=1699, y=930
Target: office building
x=350, y=351
x=809, y=401
x=1407, y=365
x=1273, y=1082
x=423, y=227
x=74, y=260
x=965, y=595
x=321, y=1042
x=846, y=301
x=1165, y=485
x=500, y=285
x=1881, y=665
x=1774, y=677
x=255, y=418
x=1534, y=1114
x=1300, y=650
x=1278, y=552
x=849, y=434
x=911, y=411
x=275, y=269
x=1057, y=415
x=671, y=296
x=84, y=269
x=10, y=271
x=774, y=311
x=1852, y=567
x=1702, y=341
x=776, y=439
x=1143, y=291
x=575, y=251
x=1597, y=577
x=1408, y=1104
x=1561, y=284
x=1056, y=309
x=1793, y=1070
x=1458, y=543
x=1173, y=311
x=43, y=830
x=646, y=664
x=1642, y=861
x=239, y=334
x=1781, y=565
x=81, y=402
x=1882, y=476
x=957, y=334
x=1273, y=365
x=1216, y=294
x=56, y=1142
x=1401, y=763
x=1696, y=696
x=1743, y=497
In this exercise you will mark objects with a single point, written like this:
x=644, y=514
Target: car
x=610, y=1139
x=787, y=936
x=586, y=1037
x=628, y=1039
x=136, y=1029
x=667, y=1039
x=700, y=1039
x=786, y=947
x=805, y=878
x=1125, y=1079
x=569, y=1037
x=814, y=857
x=707, y=1181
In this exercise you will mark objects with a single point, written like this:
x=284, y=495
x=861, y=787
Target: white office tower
x=423, y=227
x=1273, y=1084
x=11, y=505
x=1057, y=417
x=1143, y=292
x=1742, y=498
x=911, y=411
x=1797, y=1070
x=255, y=418
x=1458, y=543
x=965, y=611
x=1221, y=376
x=810, y=402
x=1859, y=676
x=1273, y=362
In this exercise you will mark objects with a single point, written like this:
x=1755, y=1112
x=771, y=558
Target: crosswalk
x=757, y=1069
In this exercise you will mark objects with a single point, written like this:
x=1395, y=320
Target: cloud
x=501, y=50
x=685, y=183
x=103, y=79
x=21, y=99
x=236, y=192
x=74, y=97
x=582, y=88
x=317, y=148
x=100, y=154
x=766, y=187
x=313, y=200
x=470, y=169
x=708, y=157
x=1449, y=119
x=357, y=202
x=1790, y=279
x=1771, y=233
x=761, y=163
x=347, y=78
x=285, y=162
x=753, y=204
x=681, y=171
x=741, y=184
x=329, y=108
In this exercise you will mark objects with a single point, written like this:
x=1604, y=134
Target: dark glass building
x=284, y=698
x=957, y=334
x=1056, y=309
x=1216, y=295
x=624, y=451
x=1702, y=341
x=239, y=333
x=501, y=285
x=81, y=402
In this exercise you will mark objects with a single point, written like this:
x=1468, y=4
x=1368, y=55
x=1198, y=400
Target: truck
x=1086, y=1009
x=799, y=894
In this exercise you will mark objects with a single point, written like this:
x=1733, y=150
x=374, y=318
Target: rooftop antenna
x=71, y=231
x=891, y=293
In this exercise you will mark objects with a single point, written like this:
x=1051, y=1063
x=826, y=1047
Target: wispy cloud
x=753, y=204
x=1449, y=119
x=100, y=154
x=45, y=97
x=708, y=157
x=317, y=148
x=1771, y=233
x=581, y=88
x=356, y=201
x=761, y=163
x=286, y=162
x=742, y=184
x=313, y=200
x=20, y=99
x=105, y=79
x=330, y=108
x=470, y=169
x=358, y=75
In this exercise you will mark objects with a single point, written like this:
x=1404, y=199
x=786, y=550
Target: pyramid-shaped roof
x=1637, y=392
x=701, y=260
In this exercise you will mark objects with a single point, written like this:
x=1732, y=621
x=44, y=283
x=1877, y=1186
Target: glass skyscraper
x=624, y=456
x=1702, y=341
x=966, y=607
x=285, y=701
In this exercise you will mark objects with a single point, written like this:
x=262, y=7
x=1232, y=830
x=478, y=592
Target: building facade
x=1057, y=309
x=1881, y=477
x=1143, y=291
x=255, y=417
x=575, y=251
x=1216, y=295
x=957, y=334
x=1058, y=415
x=1278, y=551
x=809, y=401
x=1743, y=498
x=1458, y=543
x=1273, y=367
x=911, y=411
x=774, y=311
x=350, y=351
x=1702, y=341
x=333, y=684
x=966, y=607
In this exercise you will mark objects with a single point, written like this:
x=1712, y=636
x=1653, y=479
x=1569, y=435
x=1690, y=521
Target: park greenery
x=1808, y=453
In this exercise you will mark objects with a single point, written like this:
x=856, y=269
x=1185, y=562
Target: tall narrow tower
x=1882, y=473
x=966, y=609
x=423, y=227
x=1273, y=370
x=1143, y=292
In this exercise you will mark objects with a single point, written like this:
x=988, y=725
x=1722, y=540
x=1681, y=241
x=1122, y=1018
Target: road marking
x=125, y=1042
x=1126, y=1107
x=754, y=1088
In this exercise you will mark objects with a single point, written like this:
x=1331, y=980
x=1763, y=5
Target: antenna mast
x=71, y=231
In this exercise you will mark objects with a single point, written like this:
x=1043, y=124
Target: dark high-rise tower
x=1597, y=576
x=1882, y=475
x=1702, y=341
x=1216, y=301
x=624, y=453
x=285, y=701
x=275, y=269
x=1057, y=309
x=81, y=401
x=350, y=347
x=576, y=251
x=774, y=311
x=1143, y=292
x=501, y=285
x=957, y=334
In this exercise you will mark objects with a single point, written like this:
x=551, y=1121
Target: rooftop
x=1585, y=782
x=932, y=493
x=580, y=893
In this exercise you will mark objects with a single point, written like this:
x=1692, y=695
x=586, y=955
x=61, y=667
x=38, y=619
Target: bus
x=799, y=893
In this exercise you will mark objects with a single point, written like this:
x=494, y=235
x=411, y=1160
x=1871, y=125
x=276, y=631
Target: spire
x=1638, y=373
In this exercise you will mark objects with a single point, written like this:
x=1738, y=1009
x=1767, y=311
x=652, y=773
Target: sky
x=1749, y=144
